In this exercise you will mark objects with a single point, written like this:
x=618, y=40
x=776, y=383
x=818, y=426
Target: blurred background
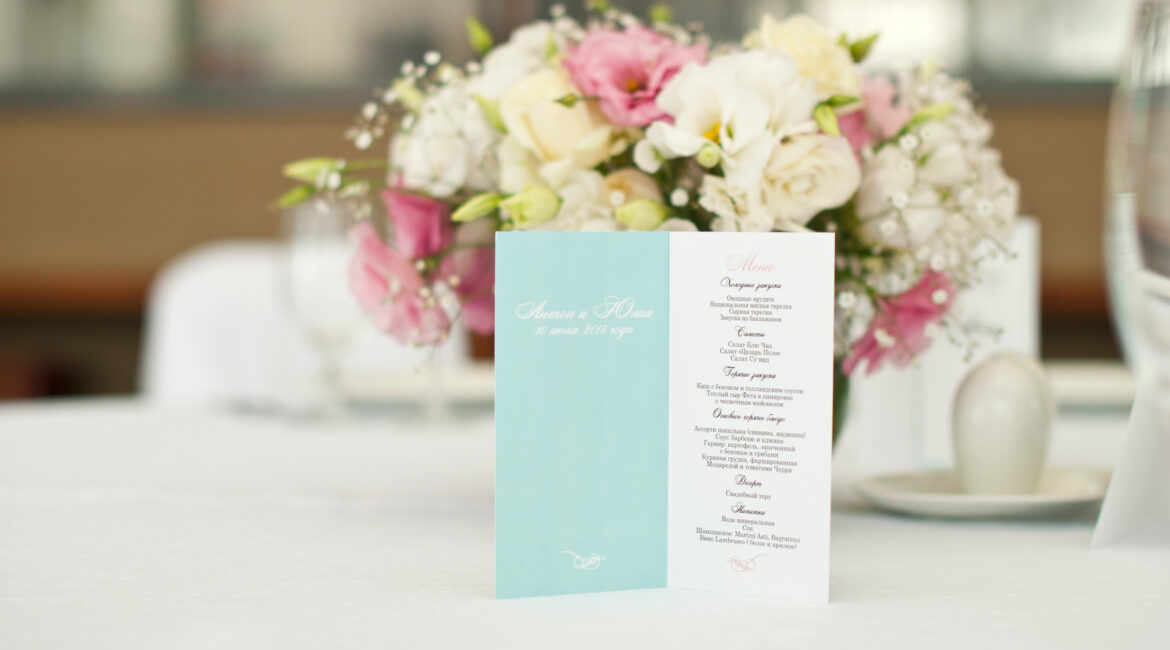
x=134, y=130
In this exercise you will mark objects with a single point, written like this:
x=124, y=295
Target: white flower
x=509, y=62
x=740, y=103
x=945, y=164
x=815, y=50
x=646, y=157
x=448, y=146
x=736, y=208
x=807, y=174
x=552, y=131
x=584, y=205
x=675, y=224
x=887, y=175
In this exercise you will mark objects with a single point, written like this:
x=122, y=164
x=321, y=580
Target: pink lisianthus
x=392, y=291
x=626, y=70
x=899, y=331
x=422, y=226
x=880, y=117
x=471, y=273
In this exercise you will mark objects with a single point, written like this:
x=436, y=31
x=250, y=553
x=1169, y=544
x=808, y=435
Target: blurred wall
x=94, y=201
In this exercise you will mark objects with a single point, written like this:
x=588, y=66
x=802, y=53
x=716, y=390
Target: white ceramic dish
x=1063, y=491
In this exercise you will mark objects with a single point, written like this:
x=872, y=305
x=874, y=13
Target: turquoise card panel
x=581, y=411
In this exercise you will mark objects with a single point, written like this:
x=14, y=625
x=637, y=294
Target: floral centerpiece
x=623, y=124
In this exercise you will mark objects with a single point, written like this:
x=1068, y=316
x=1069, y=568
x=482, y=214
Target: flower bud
x=533, y=205
x=709, y=156
x=480, y=205
x=642, y=214
x=309, y=170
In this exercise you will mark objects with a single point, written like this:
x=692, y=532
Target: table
x=126, y=525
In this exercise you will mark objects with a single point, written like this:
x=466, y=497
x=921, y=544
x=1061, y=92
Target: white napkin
x=1136, y=511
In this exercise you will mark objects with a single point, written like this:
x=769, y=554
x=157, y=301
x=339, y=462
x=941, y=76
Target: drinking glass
x=317, y=254
x=1138, y=187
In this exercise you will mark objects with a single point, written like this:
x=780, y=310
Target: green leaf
x=478, y=35
x=478, y=206
x=298, y=194
x=491, y=112
x=932, y=112
x=859, y=49
x=568, y=101
x=550, y=48
x=837, y=101
x=597, y=5
x=826, y=118
x=661, y=13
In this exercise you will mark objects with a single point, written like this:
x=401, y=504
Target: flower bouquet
x=620, y=123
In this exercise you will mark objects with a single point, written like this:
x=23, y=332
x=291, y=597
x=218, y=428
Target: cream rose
x=552, y=131
x=816, y=52
x=807, y=174
x=627, y=185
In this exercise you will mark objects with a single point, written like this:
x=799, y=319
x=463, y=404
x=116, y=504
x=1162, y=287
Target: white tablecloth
x=128, y=526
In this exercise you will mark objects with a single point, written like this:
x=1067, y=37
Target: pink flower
x=855, y=130
x=882, y=108
x=880, y=117
x=626, y=71
x=471, y=272
x=422, y=226
x=899, y=330
x=392, y=291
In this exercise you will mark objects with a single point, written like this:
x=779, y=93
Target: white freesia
x=552, y=131
x=816, y=51
x=807, y=174
x=736, y=208
x=742, y=103
x=448, y=146
x=646, y=157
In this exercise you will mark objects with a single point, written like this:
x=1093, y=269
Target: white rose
x=554, y=132
x=816, y=51
x=807, y=174
x=518, y=167
x=736, y=208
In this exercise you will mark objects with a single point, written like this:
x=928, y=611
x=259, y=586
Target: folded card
x=663, y=412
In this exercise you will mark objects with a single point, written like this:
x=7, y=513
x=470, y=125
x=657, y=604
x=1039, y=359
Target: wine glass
x=1138, y=187
x=317, y=254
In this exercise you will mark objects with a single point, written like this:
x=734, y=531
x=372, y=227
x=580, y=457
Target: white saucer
x=1062, y=491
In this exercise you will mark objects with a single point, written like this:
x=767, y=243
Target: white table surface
x=129, y=526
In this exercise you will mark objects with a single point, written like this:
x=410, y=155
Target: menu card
x=663, y=412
